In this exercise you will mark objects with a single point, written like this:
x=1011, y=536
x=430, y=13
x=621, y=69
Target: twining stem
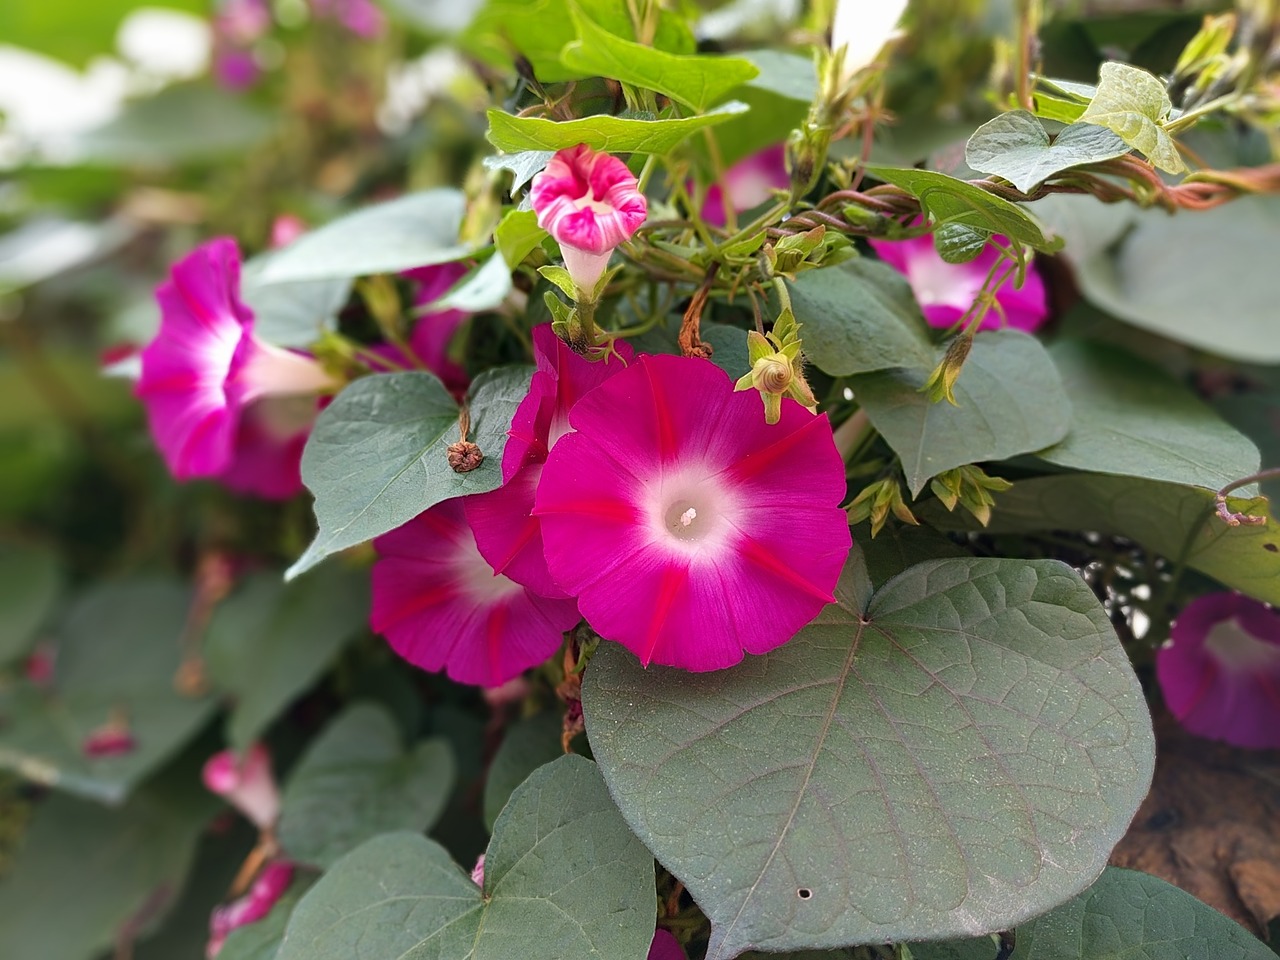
x=691, y=344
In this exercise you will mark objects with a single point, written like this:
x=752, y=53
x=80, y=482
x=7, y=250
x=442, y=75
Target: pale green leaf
x=356, y=781
x=698, y=81
x=1009, y=401
x=1126, y=915
x=858, y=317
x=1016, y=147
x=292, y=314
x=955, y=759
x=563, y=879
x=1166, y=518
x=1129, y=417
x=378, y=455
x=118, y=652
x=270, y=641
x=517, y=236
x=609, y=134
x=946, y=200
x=1133, y=104
x=417, y=230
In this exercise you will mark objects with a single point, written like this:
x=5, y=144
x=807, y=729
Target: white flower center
x=1238, y=649
x=685, y=522
x=589, y=202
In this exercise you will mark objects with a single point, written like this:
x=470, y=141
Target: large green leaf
x=377, y=456
x=1015, y=146
x=75, y=32
x=32, y=578
x=270, y=641
x=119, y=650
x=948, y=200
x=564, y=879
x=356, y=781
x=610, y=134
x=858, y=317
x=1168, y=519
x=527, y=745
x=85, y=871
x=1133, y=104
x=697, y=81
x=957, y=758
x=1129, y=417
x=1009, y=401
x=539, y=30
x=1197, y=277
x=180, y=124
x=1126, y=915
x=411, y=231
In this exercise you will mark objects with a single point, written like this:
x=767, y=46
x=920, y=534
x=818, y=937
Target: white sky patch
x=165, y=43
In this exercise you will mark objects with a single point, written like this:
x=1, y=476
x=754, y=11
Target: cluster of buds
x=777, y=367
x=971, y=488
x=1232, y=52
x=876, y=501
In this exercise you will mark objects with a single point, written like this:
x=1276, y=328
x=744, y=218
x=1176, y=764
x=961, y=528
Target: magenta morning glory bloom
x=945, y=291
x=442, y=607
x=434, y=331
x=205, y=366
x=665, y=946
x=268, y=888
x=689, y=529
x=246, y=783
x=507, y=533
x=590, y=203
x=748, y=183
x=1220, y=670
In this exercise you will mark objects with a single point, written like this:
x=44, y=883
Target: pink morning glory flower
x=945, y=291
x=689, y=529
x=665, y=946
x=360, y=17
x=507, y=533
x=268, y=888
x=748, y=183
x=1220, y=670
x=590, y=203
x=245, y=782
x=205, y=367
x=442, y=607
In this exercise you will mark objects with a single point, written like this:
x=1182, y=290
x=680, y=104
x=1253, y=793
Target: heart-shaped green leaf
x=1015, y=146
x=1133, y=104
x=564, y=879
x=957, y=758
x=1009, y=401
x=357, y=781
x=1126, y=915
x=378, y=455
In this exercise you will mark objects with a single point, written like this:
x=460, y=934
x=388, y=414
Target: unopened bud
x=806, y=156
x=942, y=382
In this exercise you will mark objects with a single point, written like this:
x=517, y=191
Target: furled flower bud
x=590, y=203
x=777, y=367
x=252, y=907
x=246, y=783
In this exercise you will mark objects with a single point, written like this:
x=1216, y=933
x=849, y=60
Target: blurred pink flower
x=477, y=872
x=433, y=332
x=1220, y=670
x=235, y=68
x=507, y=533
x=268, y=888
x=205, y=367
x=689, y=529
x=589, y=202
x=442, y=607
x=945, y=291
x=665, y=946
x=112, y=739
x=748, y=183
x=360, y=17
x=237, y=25
x=285, y=229
x=246, y=783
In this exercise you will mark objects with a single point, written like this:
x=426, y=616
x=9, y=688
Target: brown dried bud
x=464, y=456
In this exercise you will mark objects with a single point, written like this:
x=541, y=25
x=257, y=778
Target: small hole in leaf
x=1271, y=547
x=804, y=893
